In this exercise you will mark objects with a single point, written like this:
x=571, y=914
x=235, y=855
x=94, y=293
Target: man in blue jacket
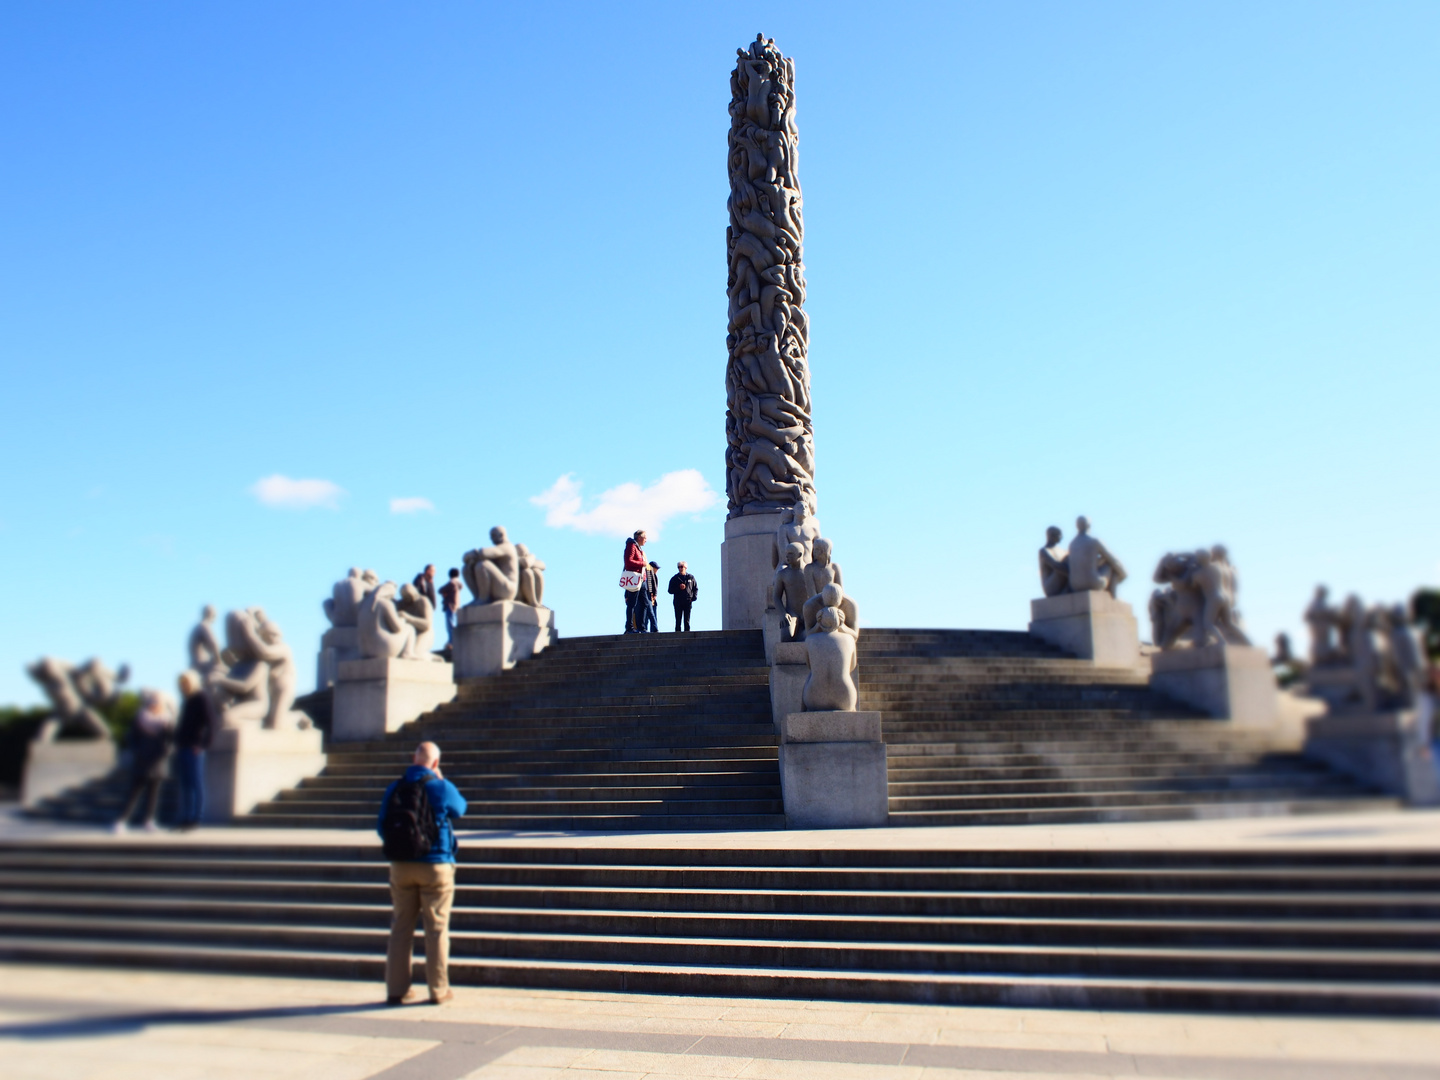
x=424, y=886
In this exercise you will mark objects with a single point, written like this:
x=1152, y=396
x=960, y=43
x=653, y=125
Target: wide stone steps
x=1270, y=931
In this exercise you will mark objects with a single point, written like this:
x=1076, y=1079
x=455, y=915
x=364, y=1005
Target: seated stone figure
x=822, y=570
x=832, y=595
x=1091, y=567
x=492, y=574
x=1054, y=565
x=241, y=685
x=789, y=592
x=383, y=633
x=343, y=607
x=532, y=577
x=832, y=653
x=415, y=608
x=76, y=695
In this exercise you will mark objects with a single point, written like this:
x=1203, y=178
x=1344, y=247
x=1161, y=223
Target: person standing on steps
x=418, y=839
x=149, y=750
x=192, y=738
x=685, y=590
x=649, y=593
x=634, y=564
x=425, y=582
x=450, y=594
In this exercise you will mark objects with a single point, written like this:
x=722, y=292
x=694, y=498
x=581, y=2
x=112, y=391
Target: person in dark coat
x=425, y=582
x=149, y=748
x=685, y=591
x=192, y=738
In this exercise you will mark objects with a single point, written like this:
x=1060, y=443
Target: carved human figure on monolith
x=343, y=607
x=384, y=634
x=532, y=577
x=832, y=595
x=1092, y=568
x=492, y=574
x=769, y=437
x=822, y=569
x=77, y=694
x=833, y=657
x=415, y=608
x=797, y=526
x=202, y=645
x=790, y=593
x=1054, y=565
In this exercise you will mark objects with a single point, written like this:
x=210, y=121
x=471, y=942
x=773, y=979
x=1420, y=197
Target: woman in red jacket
x=634, y=561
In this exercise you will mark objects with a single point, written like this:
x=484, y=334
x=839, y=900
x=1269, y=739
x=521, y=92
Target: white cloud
x=282, y=491
x=622, y=510
x=412, y=505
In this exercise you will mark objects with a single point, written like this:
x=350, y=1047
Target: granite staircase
x=998, y=728
x=1245, y=932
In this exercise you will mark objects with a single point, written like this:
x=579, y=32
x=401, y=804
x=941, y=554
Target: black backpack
x=410, y=831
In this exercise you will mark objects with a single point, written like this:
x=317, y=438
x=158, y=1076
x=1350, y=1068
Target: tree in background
x=1425, y=608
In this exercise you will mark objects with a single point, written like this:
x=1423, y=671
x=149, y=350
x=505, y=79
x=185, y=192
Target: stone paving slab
x=1401, y=830
x=79, y=1023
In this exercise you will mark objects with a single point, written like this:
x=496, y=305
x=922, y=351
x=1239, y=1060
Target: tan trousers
x=417, y=889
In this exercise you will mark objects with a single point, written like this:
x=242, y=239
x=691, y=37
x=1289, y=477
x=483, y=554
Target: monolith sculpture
x=770, y=446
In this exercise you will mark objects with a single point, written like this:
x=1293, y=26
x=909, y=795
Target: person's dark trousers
x=190, y=774
x=145, y=786
x=648, y=623
x=632, y=601
x=682, y=614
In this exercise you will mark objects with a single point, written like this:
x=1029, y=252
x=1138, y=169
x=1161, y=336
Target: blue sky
x=1173, y=267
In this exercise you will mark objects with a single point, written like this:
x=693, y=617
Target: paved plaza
x=80, y=1023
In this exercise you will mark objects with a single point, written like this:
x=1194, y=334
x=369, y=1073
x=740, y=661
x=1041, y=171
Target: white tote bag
x=631, y=580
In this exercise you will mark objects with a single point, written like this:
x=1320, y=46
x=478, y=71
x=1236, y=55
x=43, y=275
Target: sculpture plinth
x=376, y=696
x=1234, y=682
x=337, y=645
x=1381, y=749
x=53, y=767
x=789, y=668
x=833, y=770
x=1092, y=625
x=491, y=638
x=746, y=569
x=247, y=765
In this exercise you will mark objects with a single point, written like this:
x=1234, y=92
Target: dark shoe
x=407, y=998
x=448, y=995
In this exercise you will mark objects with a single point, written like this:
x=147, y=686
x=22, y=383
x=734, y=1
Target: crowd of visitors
x=640, y=578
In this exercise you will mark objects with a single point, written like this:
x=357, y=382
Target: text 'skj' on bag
x=631, y=580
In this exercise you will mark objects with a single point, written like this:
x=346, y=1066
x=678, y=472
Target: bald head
x=427, y=755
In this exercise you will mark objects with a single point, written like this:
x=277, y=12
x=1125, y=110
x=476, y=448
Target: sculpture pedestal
x=1093, y=626
x=832, y=771
x=772, y=626
x=337, y=645
x=789, y=667
x=374, y=697
x=53, y=767
x=1379, y=748
x=1231, y=681
x=489, y=638
x=245, y=766
x=746, y=570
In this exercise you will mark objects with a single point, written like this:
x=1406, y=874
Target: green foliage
x=1425, y=605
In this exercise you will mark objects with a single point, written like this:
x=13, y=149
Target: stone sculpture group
x=1366, y=658
x=77, y=694
x=253, y=679
x=1087, y=567
x=1197, y=595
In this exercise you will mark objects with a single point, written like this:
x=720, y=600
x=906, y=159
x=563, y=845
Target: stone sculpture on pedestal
x=342, y=641
x=203, y=646
x=769, y=455
x=73, y=744
x=822, y=570
x=532, y=578
x=832, y=595
x=506, y=621
x=1196, y=594
x=797, y=526
x=1054, y=565
x=492, y=574
x=1324, y=621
